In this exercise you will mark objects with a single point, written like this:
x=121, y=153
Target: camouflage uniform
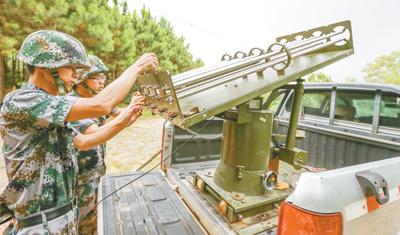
x=91, y=169
x=91, y=162
x=39, y=154
x=38, y=150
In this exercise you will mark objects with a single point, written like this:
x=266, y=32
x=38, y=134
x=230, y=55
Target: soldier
x=91, y=163
x=39, y=146
x=91, y=82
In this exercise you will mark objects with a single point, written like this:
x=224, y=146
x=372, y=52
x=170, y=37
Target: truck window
x=355, y=106
x=315, y=103
x=389, y=115
x=275, y=104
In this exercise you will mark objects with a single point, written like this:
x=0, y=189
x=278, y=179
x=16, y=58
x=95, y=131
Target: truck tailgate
x=146, y=206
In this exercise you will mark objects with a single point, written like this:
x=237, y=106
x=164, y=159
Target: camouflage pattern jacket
x=93, y=159
x=39, y=154
x=91, y=169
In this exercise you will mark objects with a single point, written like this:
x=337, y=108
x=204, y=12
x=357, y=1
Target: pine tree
x=108, y=31
x=13, y=27
x=123, y=33
x=159, y=37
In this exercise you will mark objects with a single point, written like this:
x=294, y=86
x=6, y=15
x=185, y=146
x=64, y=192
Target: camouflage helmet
x=97, y=66
x=52, y=49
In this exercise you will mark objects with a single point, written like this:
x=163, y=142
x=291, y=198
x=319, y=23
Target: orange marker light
x=297, y=221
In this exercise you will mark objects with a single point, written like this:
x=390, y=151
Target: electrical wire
x=151, y=169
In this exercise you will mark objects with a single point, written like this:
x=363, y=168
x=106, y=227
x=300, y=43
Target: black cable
x=147, y=172
x=275, y=142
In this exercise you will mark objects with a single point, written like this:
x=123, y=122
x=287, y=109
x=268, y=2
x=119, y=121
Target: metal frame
x=377, y=111
x=194, y=96
x=333, y=106
x=374, y=130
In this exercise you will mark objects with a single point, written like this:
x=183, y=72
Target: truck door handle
x=373, y=184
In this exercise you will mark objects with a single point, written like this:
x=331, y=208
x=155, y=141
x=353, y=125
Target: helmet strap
x=59, y=83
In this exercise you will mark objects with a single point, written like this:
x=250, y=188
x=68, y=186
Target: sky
x=213, y=28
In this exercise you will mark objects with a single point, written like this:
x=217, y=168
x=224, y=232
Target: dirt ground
x=134, y=145
x=126, y=151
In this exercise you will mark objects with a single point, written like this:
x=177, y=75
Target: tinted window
x=275, y=104
x=315, y=103
x=354, y=106
x=390, y=110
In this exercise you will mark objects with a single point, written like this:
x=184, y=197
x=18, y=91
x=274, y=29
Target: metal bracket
x=296, y=157
x=270, y=180
x=239, y=55
x=373, y=184
x=285, y=64
x=226, y=57
x=252, y=51
x=240, y=171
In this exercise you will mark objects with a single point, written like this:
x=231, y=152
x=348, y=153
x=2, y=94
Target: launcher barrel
x=190, y=97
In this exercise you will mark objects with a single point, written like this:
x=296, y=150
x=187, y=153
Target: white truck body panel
x=339, y=191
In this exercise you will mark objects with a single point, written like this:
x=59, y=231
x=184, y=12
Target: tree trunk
x=2, y=77
x=18, y=73
x=14, y=68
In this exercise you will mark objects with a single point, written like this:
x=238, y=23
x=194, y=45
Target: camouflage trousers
x=62, y=225
x=86, y=192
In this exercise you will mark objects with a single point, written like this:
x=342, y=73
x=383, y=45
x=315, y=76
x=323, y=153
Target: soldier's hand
x=134, y=117
x=148, y=62
x=137, y=108
x=137, y=99
x=136, y=112
x=126, y=114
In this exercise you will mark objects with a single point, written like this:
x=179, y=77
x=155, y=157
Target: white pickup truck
x=358, y=192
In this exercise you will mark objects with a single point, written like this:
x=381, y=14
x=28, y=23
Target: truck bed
x=146, y=206
x=181, y=176
x=330, y=147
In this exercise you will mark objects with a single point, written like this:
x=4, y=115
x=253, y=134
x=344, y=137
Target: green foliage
x=319, y=77
x=123, y=50
x=159, y=37
x=111, y=32
x=384, y=69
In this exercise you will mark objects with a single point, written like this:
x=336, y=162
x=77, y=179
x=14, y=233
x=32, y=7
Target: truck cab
x=363, y=126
